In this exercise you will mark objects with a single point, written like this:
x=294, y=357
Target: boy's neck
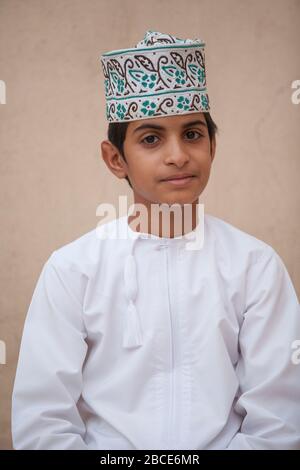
x=162, y=222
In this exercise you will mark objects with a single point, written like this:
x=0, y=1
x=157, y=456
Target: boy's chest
x=183, y=299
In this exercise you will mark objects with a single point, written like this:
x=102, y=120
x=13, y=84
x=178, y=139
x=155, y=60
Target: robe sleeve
x=48, y=380
x=269, y=378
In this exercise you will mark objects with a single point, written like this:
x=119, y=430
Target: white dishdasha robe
x=139, y=343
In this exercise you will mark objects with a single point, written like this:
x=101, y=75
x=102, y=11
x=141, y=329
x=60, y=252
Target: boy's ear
x=113, y=159
x=213, y=145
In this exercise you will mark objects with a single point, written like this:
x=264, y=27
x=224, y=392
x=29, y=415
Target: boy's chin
x=181, y=199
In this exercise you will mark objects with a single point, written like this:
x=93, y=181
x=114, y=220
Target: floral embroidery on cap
x=162, y=75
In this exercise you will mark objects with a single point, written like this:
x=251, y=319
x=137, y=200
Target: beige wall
x=52, y=175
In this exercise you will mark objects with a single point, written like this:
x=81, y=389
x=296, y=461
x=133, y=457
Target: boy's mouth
x=179, y=179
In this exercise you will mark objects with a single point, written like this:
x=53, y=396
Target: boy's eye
x=149, y=137
x=154, y=136
x=193, y=132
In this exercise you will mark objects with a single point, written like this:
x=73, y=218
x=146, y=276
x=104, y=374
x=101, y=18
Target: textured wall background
x=52, y=173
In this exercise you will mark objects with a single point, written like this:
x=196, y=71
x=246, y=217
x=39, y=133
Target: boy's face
x=154, y=154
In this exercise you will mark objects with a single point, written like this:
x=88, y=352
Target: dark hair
x=117, y=132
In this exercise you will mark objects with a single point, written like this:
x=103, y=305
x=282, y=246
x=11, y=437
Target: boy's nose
x=175, y=152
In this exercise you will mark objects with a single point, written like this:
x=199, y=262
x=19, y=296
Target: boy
x=140, y=342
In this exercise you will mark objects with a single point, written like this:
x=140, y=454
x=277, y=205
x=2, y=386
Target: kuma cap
x=161, y=75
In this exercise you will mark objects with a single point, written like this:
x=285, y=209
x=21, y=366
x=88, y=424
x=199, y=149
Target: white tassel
x=132, y=336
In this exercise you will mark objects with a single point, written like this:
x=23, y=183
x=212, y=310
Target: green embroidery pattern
x=180, y=77
x=120, y=85
x=162, y=81
x=148, y=108
x=183, y=103
x=149, y=80
x=204, y=101
x=121, y=110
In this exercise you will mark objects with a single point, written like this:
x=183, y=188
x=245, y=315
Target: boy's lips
x=178, y=176
x=179, y=179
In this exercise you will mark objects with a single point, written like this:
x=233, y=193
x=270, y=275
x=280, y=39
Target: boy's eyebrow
x=161, y=128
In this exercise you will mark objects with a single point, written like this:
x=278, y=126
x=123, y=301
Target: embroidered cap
x=162, y=75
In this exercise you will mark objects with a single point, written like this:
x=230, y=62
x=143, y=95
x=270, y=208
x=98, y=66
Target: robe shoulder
x=84, y=250
x=234, y=245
